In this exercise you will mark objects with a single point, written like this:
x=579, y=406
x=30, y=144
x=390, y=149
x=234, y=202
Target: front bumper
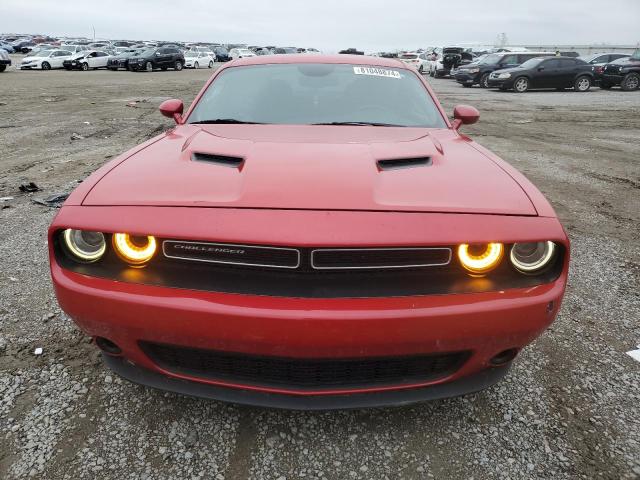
x=500, y=83
x=483, y=324
x=611, y=79
x=5, y=62
x=465, y=78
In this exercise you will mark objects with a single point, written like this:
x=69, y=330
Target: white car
x=418, y=60
x=193, y=59
x=87, y=60
x=46, y=60
x=241, y=53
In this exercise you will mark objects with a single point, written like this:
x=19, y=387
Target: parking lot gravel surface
x=569, y=408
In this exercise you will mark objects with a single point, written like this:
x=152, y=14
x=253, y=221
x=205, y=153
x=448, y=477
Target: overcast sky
x=330, y=25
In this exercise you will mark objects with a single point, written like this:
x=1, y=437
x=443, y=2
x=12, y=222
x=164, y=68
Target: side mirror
x=172, y=109
x=540, y=69
x=465, y=115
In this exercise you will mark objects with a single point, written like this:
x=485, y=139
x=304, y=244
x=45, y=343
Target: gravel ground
x=570, y=408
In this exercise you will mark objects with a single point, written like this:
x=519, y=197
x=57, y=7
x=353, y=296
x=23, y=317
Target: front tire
x=3, y=68
x=46, y=66
x=521, y=85
x=630, y=82
x=148, y=67
x=210, y=64
x=484, y=80
x=582, y=84
x=196, y=65
x=421, y=70
x=178, y=66
x=85, y=67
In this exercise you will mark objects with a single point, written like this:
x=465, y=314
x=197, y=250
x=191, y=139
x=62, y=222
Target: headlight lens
x=532, y=257
x=480, y=259
x=133, y=249
x=473, y=70
x=85, y=246
x=504, y=75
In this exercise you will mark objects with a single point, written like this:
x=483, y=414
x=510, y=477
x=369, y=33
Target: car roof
x=334, y=59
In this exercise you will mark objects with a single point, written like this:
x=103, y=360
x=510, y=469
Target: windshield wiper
x=372, y=124
x=226, y=120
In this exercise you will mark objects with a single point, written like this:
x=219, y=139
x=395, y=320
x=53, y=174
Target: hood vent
x=233, y=162
x=398, y=163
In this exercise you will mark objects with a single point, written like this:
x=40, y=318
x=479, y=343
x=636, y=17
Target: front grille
x=246, y=255
x=297, y=373
x=372, y=258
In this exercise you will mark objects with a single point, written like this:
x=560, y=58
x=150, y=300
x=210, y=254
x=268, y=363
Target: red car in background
x=313, y=233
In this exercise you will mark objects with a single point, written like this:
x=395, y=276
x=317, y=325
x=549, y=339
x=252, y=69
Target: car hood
x=313, y=167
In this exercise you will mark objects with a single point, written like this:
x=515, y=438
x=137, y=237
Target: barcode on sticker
x=377, y=72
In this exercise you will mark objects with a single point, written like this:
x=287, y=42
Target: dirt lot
x=570, y=408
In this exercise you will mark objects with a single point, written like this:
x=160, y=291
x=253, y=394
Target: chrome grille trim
x=376, y=267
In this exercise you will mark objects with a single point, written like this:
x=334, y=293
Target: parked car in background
x=87, y=60
x=600, y=60
x=420, y=61
x=263, y=51
x=157, y=58
x=74, y=48
x=7, y=47
x=46, y=60
x=478, y=72
x=5, y=61
x=624, y=72
x=194, y=59
x=545, y=72
x=285, y=50
x=351, y=51
x=222, y=54
x=122, y=59
x=235, y=53
x=446, y=59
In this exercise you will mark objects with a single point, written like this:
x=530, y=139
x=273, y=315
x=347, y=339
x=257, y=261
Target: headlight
x=85, y=246
x=480, y=259
x=473, y=70
x=504, y=75
x=133, y=249
x=532, y=257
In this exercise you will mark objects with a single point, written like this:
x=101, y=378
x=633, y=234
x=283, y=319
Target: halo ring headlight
x=480, y=259
x=84, y=245
x=135, y=250
x=531, y=257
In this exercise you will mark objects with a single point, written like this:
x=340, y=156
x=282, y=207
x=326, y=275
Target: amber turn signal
x=135, y=250
x=480, y=259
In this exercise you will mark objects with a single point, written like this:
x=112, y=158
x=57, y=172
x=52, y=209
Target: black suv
x=152, y=58
x=541, y=72
x=478, y=73
x=624, y=72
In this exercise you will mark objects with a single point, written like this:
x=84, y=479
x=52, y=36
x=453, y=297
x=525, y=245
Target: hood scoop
x=398, y=163
x=222, y=160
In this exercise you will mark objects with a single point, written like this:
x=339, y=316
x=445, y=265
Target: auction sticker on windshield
x=377, y=72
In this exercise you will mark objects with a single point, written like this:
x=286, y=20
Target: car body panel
x=345, y=175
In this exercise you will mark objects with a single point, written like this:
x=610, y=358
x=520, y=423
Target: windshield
x=145, y=53
x=45, y=53
x=635, y=55
x=190, y=54
x=531, y=63
x=313, y=93
x=492, y=59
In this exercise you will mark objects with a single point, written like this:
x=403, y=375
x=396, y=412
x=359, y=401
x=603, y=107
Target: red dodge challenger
x=313, y=233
